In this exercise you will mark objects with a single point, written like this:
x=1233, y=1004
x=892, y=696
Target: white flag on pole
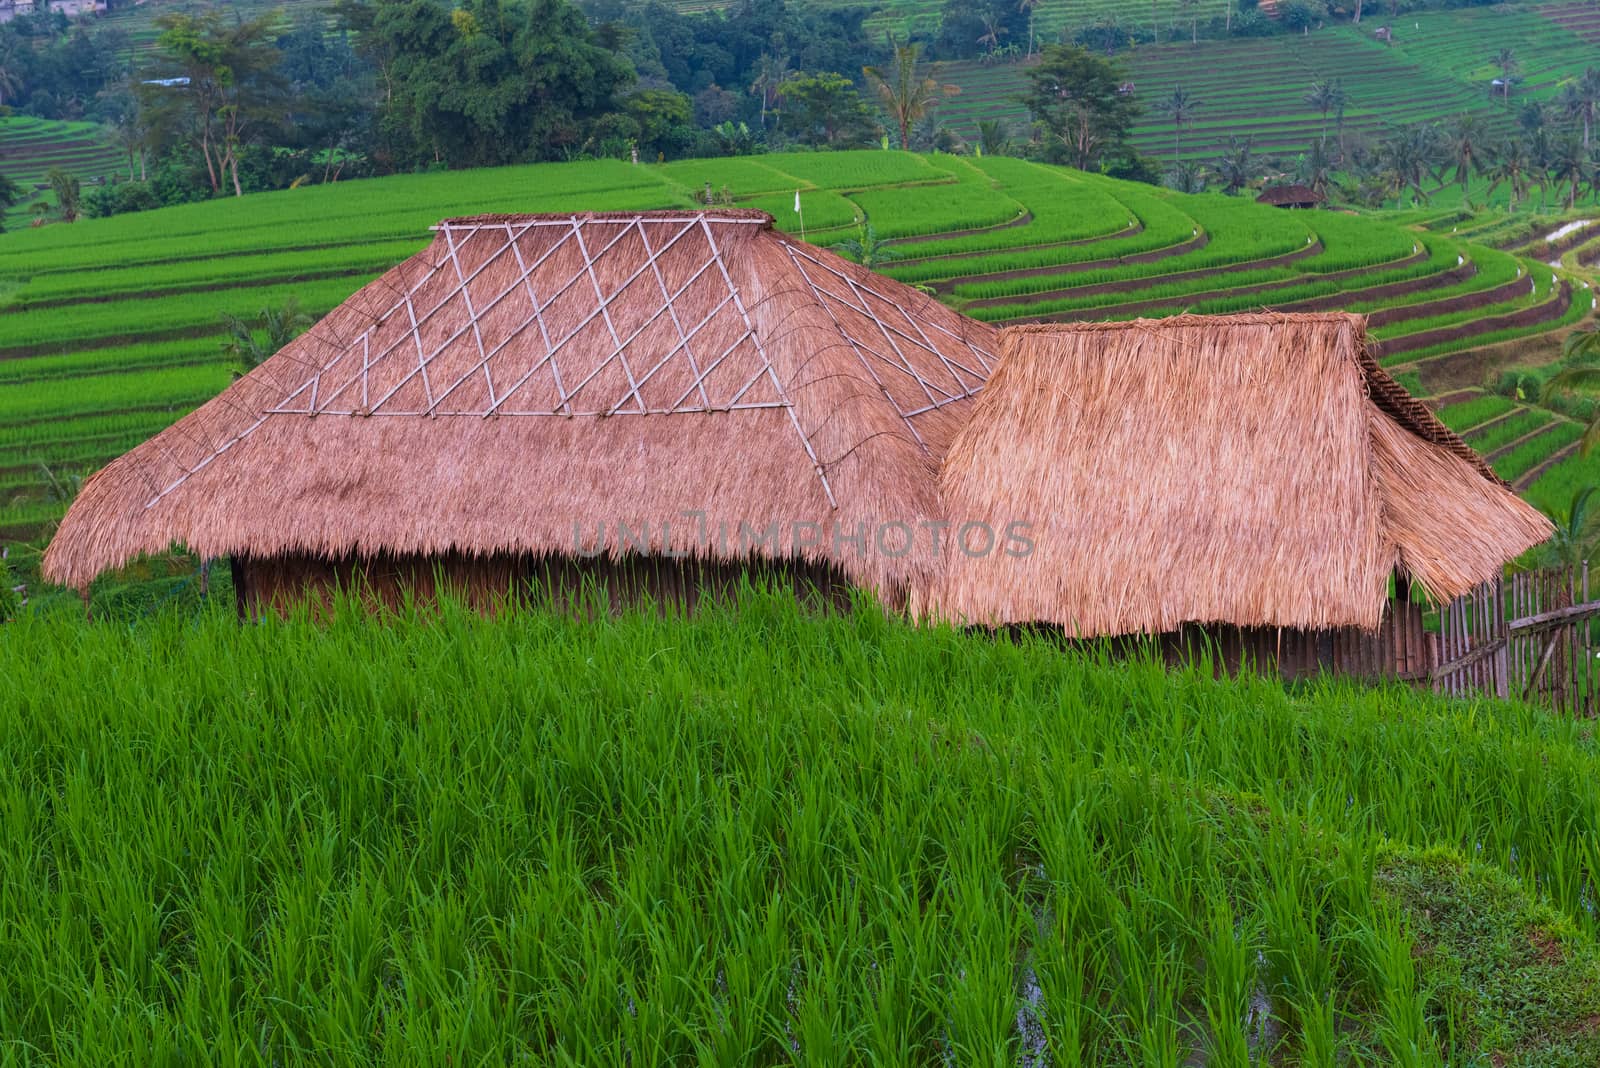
x=797, y=200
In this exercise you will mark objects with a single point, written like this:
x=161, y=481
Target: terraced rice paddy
x=31, y=147
x=1533, y=449
x=1256, y=87
x=109, y=329
x=767, y=837
x=138, y=20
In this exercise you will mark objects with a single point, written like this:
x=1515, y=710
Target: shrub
x=1299, y=14
x=1519, y=386
x=120, y=199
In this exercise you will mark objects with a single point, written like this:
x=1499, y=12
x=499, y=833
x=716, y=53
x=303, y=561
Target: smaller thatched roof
x=1256, y=470
x=1291, y=196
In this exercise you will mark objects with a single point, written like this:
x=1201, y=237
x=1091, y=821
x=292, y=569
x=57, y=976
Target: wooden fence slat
x=1588, y=652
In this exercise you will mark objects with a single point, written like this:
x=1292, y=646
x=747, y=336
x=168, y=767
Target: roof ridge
x=731, y=216
x=1189, y=320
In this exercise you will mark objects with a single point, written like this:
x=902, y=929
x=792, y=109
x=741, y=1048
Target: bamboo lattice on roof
x=636, y=364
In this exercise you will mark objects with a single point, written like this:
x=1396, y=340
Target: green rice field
x=110, y=329
x=763, y=837
x=1255, y=87
x=30, y=148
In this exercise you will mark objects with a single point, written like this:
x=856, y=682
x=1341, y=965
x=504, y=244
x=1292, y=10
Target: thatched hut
x=1254, y=474
x=659, y=399
x=1291, y=196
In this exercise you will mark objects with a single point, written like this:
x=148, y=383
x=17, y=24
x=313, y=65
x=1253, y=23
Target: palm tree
x=133, y=138
x=1506, y=60
x=1580, y=346
x=10, y=69
x=1180, y=108
x=1193, y=8
x=1510, y=166
x=1573, y=540
x=1111, y=27
x=1580, y=101
x=1569, y=165
x=1539, y=154
x=68, y=193
x=1341, y=100
x=733, y=138
x=1313, y=170
x=1410, y=154
x=1327, y=96
x=994, y=137
x=1466, y=152
x=279, y=325
x=1236, y=167
x=1028, y=7
x=1186, y=177
x=771, y=72
x=906, y=95
x=992, y=32
x=866, y=248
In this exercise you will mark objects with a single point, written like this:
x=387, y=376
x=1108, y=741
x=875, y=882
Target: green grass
x=855, y=170
x=1504, y=432
x=116, y=322
x=1062, y=207
x=1534, y=295
x=149, y=279
x=1468, y=414
x=150, y=355
x=1346, y=246
x=1553, y=490
x=1164, y=226
x=1240, y=232
x=1494, y=268
x=83, y=449
x=963, y=205
x=764, y=838
x=1582, y=304
x=1530, y=454
x=112, y=392
x=18, y=442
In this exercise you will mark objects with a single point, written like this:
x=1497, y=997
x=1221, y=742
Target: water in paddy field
x=1557, y=234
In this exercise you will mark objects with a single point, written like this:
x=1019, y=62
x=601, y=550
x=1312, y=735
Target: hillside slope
x=109, y=329
x=1439, y=65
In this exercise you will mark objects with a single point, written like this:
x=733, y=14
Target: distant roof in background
x=1281, y=195
x=526, y=373
x=1257, y=470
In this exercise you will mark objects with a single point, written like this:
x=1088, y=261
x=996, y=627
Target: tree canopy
x=1079, y=99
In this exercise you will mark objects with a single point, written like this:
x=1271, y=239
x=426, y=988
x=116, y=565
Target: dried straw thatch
x=1291, y=196
x=1254, y=470
x=528, y=378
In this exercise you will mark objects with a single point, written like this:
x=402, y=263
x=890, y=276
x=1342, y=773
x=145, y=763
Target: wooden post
x=1588, y=653
x=1502, y=660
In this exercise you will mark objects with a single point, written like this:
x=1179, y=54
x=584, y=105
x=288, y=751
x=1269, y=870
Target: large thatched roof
x=524, y=376
x=1258, y=470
